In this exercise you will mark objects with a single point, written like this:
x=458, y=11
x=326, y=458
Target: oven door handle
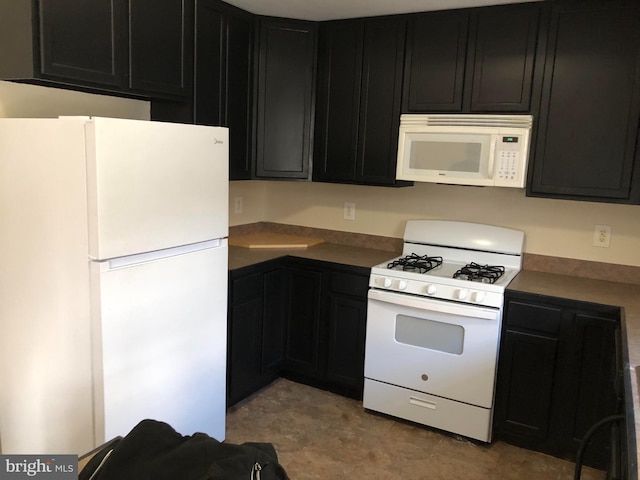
x=441, y=306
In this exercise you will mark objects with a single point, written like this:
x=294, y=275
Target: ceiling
x=318, y=10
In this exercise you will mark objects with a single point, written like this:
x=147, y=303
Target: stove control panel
x=441, y=291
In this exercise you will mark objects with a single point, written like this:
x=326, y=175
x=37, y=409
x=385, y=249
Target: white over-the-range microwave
x=481, y=150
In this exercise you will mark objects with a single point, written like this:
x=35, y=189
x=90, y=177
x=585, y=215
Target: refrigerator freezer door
x=161, y=329
x=154, y=185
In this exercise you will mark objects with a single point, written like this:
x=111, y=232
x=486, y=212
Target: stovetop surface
x=444, y=273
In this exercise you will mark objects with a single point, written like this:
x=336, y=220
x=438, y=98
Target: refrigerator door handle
x=123, y=262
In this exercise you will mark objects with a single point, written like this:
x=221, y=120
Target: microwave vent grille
x=506, y=121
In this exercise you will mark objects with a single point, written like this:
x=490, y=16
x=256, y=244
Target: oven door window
x=424, y=333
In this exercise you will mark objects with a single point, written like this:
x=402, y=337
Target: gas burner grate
x=416, y=263
x=480, y=273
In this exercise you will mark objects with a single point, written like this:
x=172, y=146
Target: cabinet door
x=285, y=89
x=244, y=335
x=238, y=93
x=245, y=339
x=222, y=91
x=303, y=320
x=83, y=40
x=527, y=372
x=558, y=374
x=594, y=384
x=501, y=58
x=338, y=106
x=161, y=46
x=435, y=62
x=380, y=101
x=588, y=125
x=273, y=324
x=345, y=343
x=209, y=64
x=527, y=366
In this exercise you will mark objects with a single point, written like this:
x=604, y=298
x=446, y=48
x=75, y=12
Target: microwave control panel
x=508, y=157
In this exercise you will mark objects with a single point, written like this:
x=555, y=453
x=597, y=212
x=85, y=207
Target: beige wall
x=558, y=228
x=553, y=227
x=19, y=100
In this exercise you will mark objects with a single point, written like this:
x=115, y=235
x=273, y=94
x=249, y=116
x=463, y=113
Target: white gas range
x=433, y=325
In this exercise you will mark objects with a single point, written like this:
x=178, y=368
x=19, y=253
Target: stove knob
x=462, y=294
x=402, y=284
x=479, y=297
x=386, y=282
x=431, y=289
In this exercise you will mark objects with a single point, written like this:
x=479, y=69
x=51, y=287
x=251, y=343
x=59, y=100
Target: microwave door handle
x=492, y=155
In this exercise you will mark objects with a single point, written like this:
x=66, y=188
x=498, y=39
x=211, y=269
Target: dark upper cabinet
x=586, y=146
x=359, y=94
x=558, y=374
x=472, y=60
x=286, y=54
x=64, y=42
x=82, y=41
x=435, y=62
x=223, y=77
x=136, y=48
x=501, y=58
x=160, y=46
x=340, y=47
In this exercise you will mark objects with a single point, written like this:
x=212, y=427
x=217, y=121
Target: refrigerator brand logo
x=216, y=141
x=60, y=467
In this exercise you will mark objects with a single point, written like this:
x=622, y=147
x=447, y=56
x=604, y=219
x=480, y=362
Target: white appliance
x=113, y=285
x=481, y=150
x=433, y=325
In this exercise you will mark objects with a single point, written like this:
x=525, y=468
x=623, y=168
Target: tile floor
x=319, y=435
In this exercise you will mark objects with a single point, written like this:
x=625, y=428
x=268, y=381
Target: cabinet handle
x=422, y=403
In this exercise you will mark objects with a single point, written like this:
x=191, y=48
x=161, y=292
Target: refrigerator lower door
x=160, y=340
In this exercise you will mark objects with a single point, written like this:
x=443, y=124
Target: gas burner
x=480, y=273
x=416, y=263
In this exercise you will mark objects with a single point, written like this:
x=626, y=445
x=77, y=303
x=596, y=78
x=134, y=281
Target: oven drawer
x=455, y=417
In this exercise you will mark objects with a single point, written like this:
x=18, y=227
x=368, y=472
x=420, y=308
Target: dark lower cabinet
x=558, y=374
x=347, y=322
x=587, y=140
x=326, y=325
x=255, y=329
x=304, y=290
x=297, y=318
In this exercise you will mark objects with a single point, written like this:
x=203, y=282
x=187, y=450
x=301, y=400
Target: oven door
x=442, y=348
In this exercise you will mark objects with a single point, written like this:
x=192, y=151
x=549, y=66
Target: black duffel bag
x=155, y=451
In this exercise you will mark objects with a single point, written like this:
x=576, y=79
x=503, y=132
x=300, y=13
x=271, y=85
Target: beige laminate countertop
x=329, y=252
x=623, y=295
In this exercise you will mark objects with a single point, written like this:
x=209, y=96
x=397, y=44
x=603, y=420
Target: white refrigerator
x=113, y=280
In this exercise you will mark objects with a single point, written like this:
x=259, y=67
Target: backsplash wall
x=558, y=228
